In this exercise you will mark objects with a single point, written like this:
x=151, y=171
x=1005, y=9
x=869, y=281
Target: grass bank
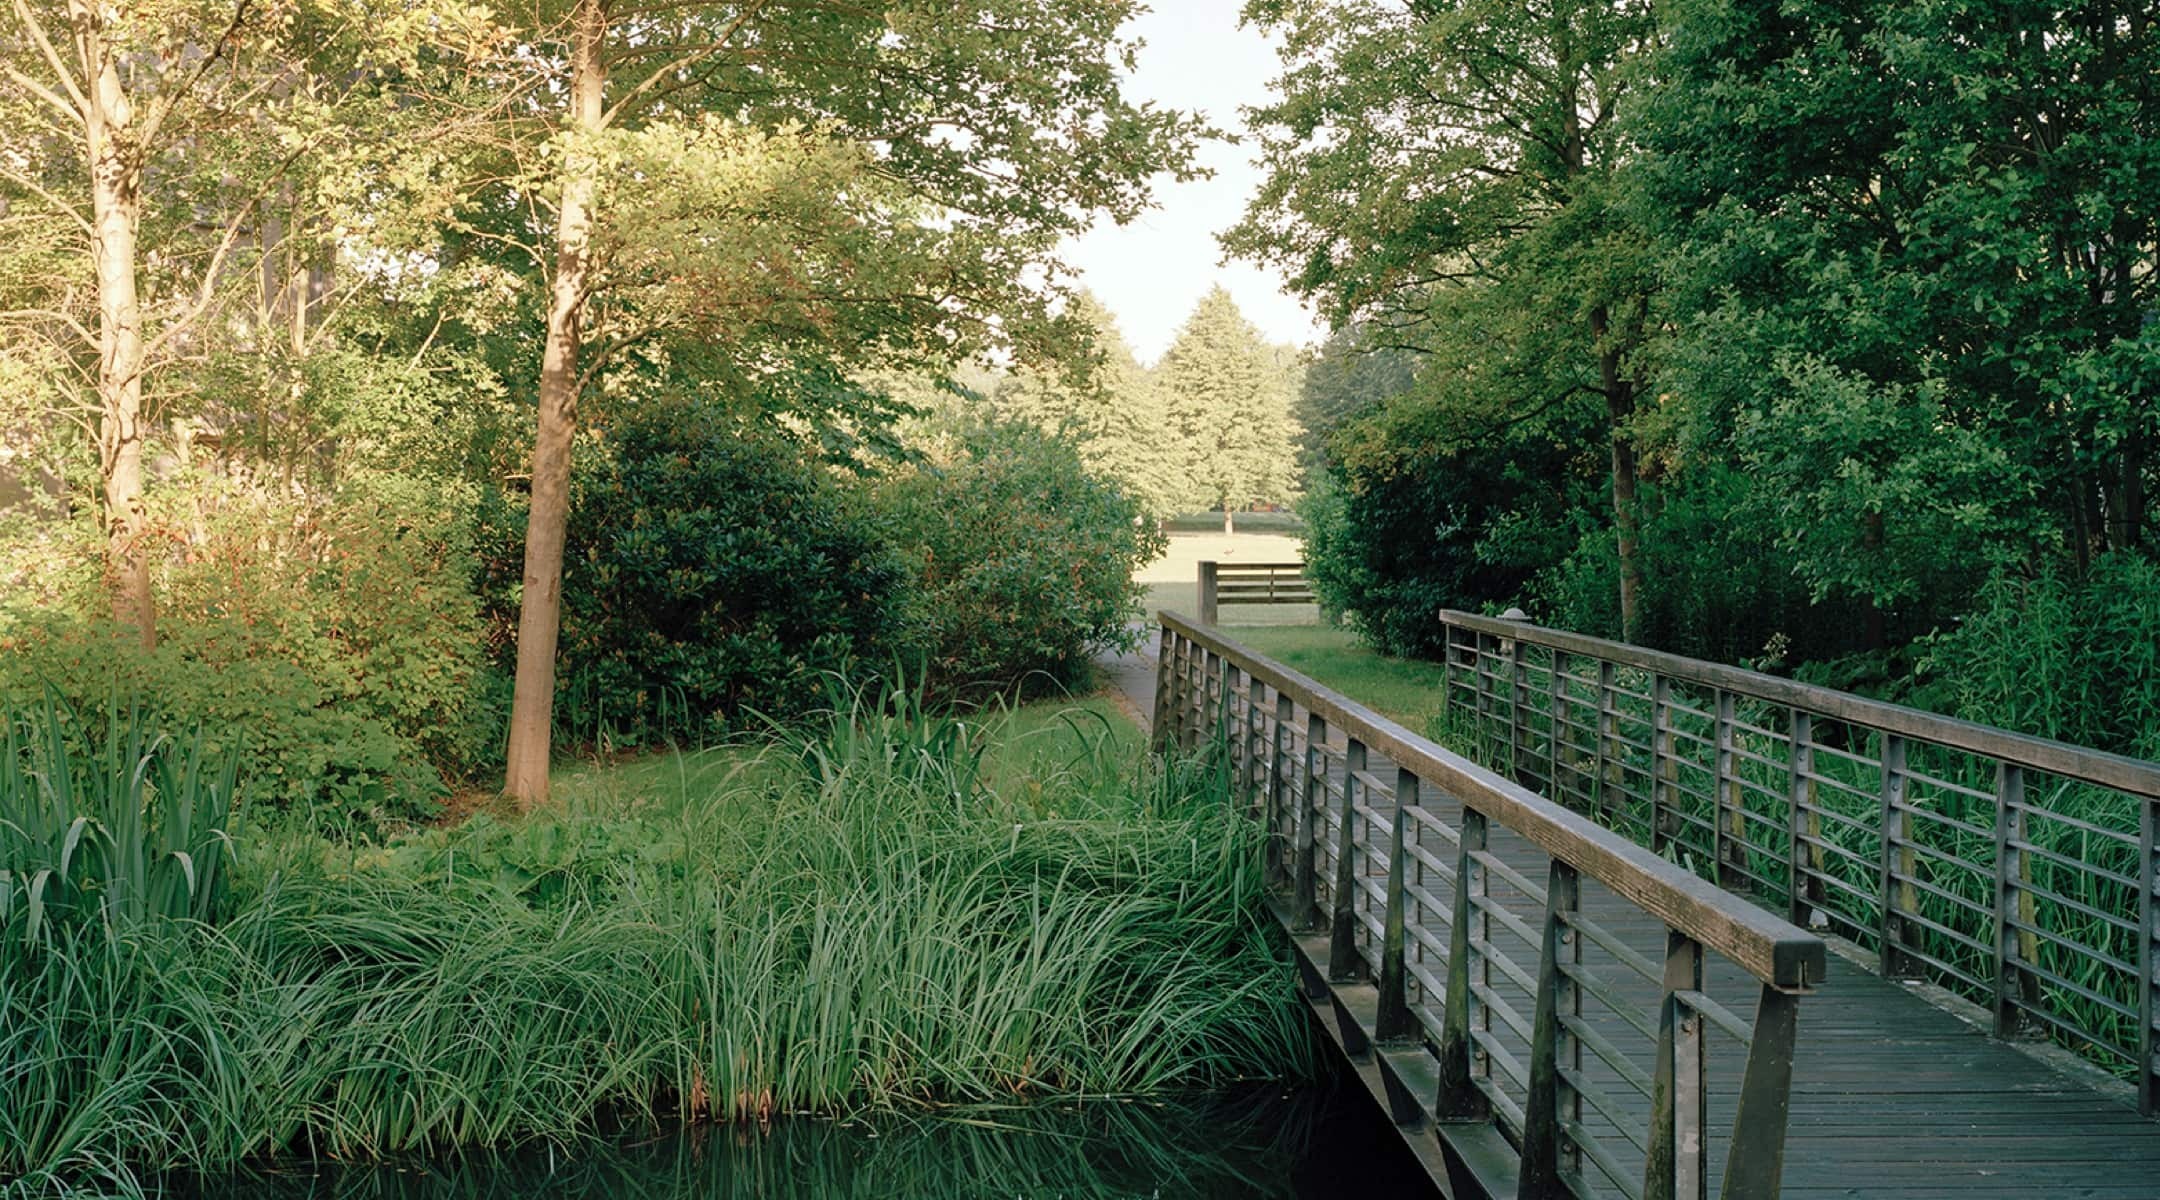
x=894, y=910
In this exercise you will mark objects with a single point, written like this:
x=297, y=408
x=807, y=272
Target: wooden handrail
x=2136, y=776
x=1771, y=949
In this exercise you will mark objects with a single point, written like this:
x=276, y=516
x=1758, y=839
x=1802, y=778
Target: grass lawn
x=1173, y=580
x=1407, y=690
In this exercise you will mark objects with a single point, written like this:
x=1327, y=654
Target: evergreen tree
x=1110, y=404
x=1226, y=401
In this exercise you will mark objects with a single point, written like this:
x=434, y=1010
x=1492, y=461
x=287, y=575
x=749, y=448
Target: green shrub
x=1023, y=560
x=368, y=593
x=712, y=571
x=2058, y=655
x=1392, y=542
x=301, y=751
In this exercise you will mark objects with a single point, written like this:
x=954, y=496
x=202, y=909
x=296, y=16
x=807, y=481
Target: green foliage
x=1403, y=531
x=716, y=573
x=302, y=751
x=1022, y=560
x=109, y=822
x=821, y=928
x=2075, y=658
x=1226, y=405
x=368, y=592
x=1354, y=373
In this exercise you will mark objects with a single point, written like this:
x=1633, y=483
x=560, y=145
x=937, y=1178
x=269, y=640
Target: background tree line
x=1818, y=336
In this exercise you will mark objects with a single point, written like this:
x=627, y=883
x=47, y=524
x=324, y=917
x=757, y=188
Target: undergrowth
x=859, y=917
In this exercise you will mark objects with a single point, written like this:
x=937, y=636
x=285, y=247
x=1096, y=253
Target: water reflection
x=1302, y=1145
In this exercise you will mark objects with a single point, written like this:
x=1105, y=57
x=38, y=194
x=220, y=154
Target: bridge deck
x=1892, y=1094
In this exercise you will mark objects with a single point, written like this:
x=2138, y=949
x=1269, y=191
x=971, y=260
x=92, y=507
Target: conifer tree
x=1226, y=400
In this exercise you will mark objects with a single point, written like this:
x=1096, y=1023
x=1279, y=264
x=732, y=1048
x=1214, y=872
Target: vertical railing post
x=1279, y=790
x=1608, y=728
x=1306, y=872
x=1895, y=895
x=1447, y=672
x=1258, y=765
x=1803, y=826
x=1165, y=683
x=1393, y=1019
x=2148, y=1083
x=1460, y=1099
x=1518, y=727
x=1481, y=679
x=2009, y=831
x=1755, y=1162
x=1677, y=1165
x=1661, y=752
x=1556, y=744
x=1550, y=1104
x=1729, y=827
x=1343, y=960
x=1225, y=673
x=1210, y=592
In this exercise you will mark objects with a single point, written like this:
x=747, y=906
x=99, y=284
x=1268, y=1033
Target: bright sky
x=1154, y=270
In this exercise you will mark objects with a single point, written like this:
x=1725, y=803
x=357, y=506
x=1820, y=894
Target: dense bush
x=2058, y=655
x=302, y=751
x=1393, y=541
x=713, y=572
x=1022, y=559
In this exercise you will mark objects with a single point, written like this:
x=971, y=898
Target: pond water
x=1305, y=1144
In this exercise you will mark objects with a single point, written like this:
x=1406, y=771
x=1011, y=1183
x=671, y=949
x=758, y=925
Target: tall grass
x=107, y=819
x=852, y=920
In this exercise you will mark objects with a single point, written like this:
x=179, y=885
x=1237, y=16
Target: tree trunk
x=1619, y=406
x=532, y=706
x=116, y=216
x=1229, y=520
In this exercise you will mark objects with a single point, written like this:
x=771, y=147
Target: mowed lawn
x=1408, y=690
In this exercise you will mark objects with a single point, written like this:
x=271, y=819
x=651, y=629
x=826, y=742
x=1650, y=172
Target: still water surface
x=1308, y=1144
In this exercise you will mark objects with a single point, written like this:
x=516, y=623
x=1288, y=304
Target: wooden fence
x=1418, y=869
x=2015, y=871
x=1251, y=583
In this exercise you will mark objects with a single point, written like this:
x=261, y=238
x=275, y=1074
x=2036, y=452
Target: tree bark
x=1619, y=406
x=116, y=218
x=532, y=706
x=1229, y=520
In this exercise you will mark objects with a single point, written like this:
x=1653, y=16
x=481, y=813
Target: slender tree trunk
x=532, y=707
x=116, y=216
x=1229, y=520
x=1619, y=406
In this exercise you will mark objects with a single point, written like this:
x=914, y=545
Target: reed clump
x=861, y=916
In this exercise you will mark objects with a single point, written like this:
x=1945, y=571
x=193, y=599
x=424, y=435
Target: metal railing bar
x=2128, y=841
x=1602, y=992
x=1514, y=878
x=1633, y=959
x=2080, y=949
x=1499, y=1004
x=1510, y=1068
x=2058, y=758
x=1497, y=910
x=1717, y=1014
x=1609, y=1167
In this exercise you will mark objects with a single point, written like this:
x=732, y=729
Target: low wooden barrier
x=1251, y=583
x=1405, y=872
x=2016, y=871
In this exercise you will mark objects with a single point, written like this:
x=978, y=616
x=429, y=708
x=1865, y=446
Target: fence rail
x=1251, y=583
x=2015, y=871
x=1549, y=976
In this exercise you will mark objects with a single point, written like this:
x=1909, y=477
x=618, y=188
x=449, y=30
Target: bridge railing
x=1589, y=1055
x=2015, y=871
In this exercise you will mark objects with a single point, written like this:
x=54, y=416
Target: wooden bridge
x=1702, y=931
